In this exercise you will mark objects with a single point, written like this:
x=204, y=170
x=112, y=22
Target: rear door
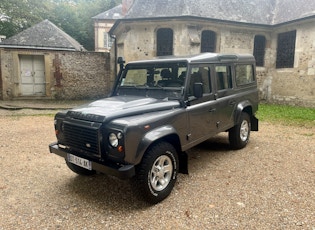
x=224, y=94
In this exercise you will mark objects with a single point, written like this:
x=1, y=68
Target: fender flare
x=244, y=105
x=151, y=137
x=248, y=108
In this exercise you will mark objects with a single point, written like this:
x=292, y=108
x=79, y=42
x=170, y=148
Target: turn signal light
x=120, y=149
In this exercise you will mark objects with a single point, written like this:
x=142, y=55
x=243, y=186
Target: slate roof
x=114, y=13
x=44, y=35
x=262, y=12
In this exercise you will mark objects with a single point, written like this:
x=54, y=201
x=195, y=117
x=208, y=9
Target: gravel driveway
x=268, y=185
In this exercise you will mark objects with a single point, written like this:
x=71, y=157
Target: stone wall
x=69, y=75
x=291, y=86
x=84, y=75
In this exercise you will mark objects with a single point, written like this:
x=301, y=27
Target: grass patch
x=287, y=115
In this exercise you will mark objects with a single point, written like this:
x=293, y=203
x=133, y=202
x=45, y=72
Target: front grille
x=82, y=138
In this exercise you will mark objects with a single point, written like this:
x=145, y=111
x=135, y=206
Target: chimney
x=126, y=5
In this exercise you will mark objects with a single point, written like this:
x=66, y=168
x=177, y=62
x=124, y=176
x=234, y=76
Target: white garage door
x=32, y=75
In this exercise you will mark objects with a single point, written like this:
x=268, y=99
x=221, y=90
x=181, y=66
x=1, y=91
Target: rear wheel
x=239, y=134
x=79, y=170
x=157, y=173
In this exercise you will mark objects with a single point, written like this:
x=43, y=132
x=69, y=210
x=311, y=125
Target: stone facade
x=293, y=86
x=68, y=74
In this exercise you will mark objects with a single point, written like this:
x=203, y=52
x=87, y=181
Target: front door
x=32, y=76
x=202, y=112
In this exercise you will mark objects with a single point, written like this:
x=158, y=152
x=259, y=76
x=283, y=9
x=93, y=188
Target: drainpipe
x=115, y=52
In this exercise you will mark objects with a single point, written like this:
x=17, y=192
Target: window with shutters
x=164, y=42
x=286, y=49
x=259, y=49
x=108, y=40
x=208, y=41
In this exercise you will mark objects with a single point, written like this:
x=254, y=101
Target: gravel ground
x=268, y=185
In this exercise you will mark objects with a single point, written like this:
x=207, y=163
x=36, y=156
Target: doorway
x=32, y=75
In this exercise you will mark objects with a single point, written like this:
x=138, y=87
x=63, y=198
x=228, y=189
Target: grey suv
x=157, y=110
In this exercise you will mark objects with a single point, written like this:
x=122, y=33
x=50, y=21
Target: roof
x=44, y=35
x=263, y=12
x=200, y=58
x=112, y=14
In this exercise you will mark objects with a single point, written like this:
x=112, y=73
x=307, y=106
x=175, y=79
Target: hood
x=120, y=106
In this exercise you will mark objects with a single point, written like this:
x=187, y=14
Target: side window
x=200, y=74
x=244, y=74
x=223, y=77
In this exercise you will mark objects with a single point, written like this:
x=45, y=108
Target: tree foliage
x=72, y=16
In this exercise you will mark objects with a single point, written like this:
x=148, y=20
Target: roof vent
x=2, y=37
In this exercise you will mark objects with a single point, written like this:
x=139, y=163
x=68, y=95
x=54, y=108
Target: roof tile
x=44, y=35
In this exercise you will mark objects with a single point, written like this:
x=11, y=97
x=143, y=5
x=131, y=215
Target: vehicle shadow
x=105, y=192
x=116, y=195
x=208, y=152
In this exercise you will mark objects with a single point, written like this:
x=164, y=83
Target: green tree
x=72, y=16
x=18, y=15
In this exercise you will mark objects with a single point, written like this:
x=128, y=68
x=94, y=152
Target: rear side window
x=244, y=74
x=223, y=77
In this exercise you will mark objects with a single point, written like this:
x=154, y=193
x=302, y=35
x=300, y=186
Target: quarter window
x=259, y=49
x=286, y=49
x=244, y=74
x=164, y=42
x=208, y=41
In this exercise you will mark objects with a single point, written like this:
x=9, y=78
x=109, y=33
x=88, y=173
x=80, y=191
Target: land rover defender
x=156, y=111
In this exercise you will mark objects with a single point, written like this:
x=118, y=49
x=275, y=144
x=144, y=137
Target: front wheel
x=239, y=134
x=157, y=173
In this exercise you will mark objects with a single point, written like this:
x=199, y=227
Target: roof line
x=37, y=47
x=183, y=17
x=207, y=19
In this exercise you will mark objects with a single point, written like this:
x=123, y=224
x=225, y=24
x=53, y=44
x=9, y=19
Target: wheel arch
x=244, y=106
x=165, y=133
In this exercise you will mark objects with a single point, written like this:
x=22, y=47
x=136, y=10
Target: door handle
x=211, y=110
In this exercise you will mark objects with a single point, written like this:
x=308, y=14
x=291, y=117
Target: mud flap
x=254, y=123
x=183, y=163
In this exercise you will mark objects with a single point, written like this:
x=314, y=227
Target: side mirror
x=198, y=89
x=120, y=60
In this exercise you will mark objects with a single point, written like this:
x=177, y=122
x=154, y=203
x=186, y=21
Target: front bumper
x=122, y=172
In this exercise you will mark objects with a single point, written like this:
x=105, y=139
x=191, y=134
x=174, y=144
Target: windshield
x=159, y=80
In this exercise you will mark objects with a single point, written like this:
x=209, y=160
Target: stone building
x=280, y=34
x=43, y=62
x=103, y=22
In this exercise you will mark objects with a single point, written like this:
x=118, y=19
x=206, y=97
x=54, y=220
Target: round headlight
x=119, y=135
x=113, y=140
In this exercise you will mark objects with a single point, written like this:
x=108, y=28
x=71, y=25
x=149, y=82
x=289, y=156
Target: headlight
x=113, y=140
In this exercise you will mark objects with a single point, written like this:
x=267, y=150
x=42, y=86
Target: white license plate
x=79, y=161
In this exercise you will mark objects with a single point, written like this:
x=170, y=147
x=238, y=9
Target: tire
x=157, y=173
x=239, y=134
x=79, y=170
